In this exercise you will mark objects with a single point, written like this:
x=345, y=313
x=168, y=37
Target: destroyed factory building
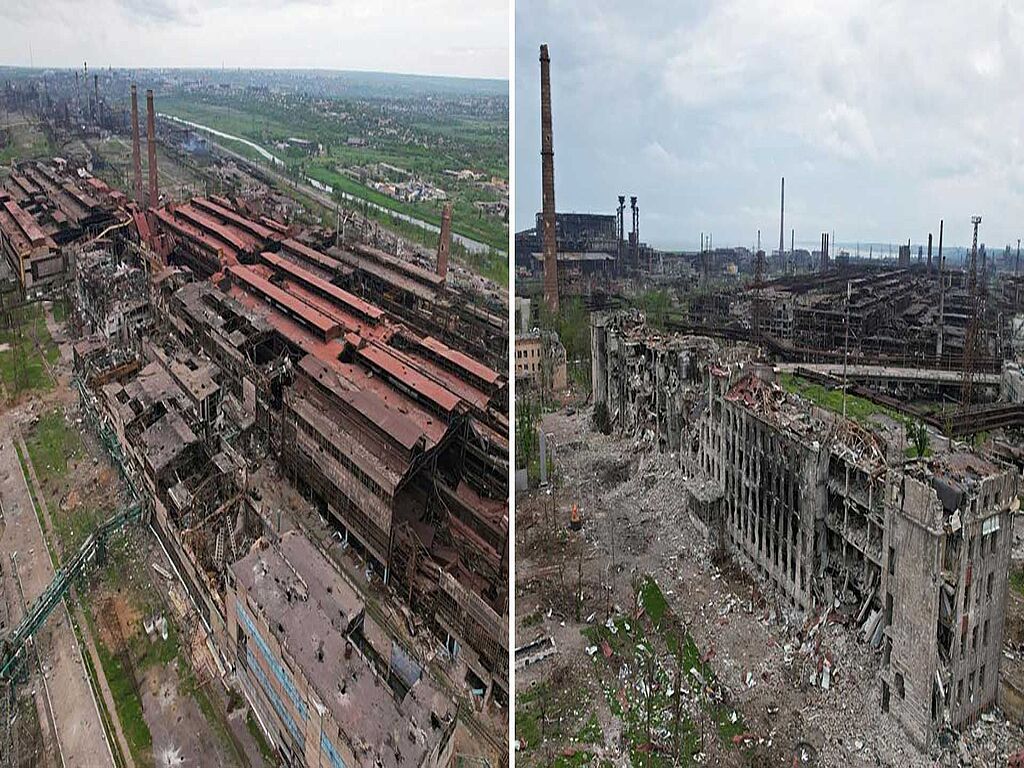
x=259, y=384
x=911, y=553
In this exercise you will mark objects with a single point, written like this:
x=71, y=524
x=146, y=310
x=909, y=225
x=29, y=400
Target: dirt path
x=80, y=618
x=79, y=731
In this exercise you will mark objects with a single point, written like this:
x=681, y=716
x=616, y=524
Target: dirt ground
x=125, y=592
x=765, y=660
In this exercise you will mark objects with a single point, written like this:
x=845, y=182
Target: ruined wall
x=773, y=493
x=651, y=385
x=911, y=606
x=947, y=558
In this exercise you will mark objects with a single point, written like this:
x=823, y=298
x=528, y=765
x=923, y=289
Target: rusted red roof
x=311, y=254
x=380, y=358
x=240, y=240
x=252, y=227
x=275, y=296
x=460, y=360
x=27, y=224
x=304, y=276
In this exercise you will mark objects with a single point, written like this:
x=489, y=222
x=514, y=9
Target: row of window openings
x=989, y=541
x=974, y=639
x=789, y=558
x=989, y=587
x=332, y=450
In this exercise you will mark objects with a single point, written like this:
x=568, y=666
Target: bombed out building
x=261, y=369
x=912, y=553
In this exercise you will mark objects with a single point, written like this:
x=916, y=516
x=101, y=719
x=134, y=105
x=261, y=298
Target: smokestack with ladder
x=136, y=148
x=154, y=191
x=444, y=241
x=547, y=159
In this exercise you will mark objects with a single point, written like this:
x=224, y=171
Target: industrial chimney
x=136, y=148
x=444, y=241
x=547, y=158
x=96, y=98
x=154, y=191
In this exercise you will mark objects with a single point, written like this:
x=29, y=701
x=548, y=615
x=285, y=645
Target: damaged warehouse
x=245, y=370
x=910, y=551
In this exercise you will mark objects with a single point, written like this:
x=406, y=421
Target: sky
x=884, y=117
x=465, y=38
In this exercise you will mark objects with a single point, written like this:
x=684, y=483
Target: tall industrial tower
x=974, y=319
x=136, y=149
x=547, y=159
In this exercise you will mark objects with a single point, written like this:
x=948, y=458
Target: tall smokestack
x=782, y=224
x=444, y=242
x=929, y=252
x=547, y=160
x=136, y=148
x=95, y=98
x=154, y=190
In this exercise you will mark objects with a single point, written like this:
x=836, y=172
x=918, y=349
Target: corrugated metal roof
x=463, y=361
x=380, y=358
x=327, y=327
x=352, y=302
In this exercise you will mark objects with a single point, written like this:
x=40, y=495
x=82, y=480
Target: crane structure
x=974, y=319
x=92, y=551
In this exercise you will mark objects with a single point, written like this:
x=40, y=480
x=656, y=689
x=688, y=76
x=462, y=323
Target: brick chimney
x=154, y=188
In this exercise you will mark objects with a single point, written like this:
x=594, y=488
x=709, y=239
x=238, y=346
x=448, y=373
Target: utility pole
x=846, y=345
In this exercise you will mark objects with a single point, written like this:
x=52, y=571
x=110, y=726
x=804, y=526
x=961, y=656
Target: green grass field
x=264, y=124
x=24, y=351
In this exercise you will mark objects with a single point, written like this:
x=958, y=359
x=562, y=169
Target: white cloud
x=885, y=116
x=444, y=37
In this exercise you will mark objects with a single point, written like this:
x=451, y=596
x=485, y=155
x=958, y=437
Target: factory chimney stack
x=154, y=190
x=444, y=242
x=136, y=147
x=547, y=157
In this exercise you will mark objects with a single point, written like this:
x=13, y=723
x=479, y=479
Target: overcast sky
x=883, y=116
x=434, y=37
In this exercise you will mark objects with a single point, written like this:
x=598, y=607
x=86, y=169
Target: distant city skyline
x=699, y=110
x=457, y=38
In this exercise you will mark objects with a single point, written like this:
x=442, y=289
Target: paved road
x=79, y=731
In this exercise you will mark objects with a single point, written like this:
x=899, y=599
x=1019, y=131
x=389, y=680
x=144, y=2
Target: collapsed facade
x=912, y=553
x=45, y=212
x=255, y=364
